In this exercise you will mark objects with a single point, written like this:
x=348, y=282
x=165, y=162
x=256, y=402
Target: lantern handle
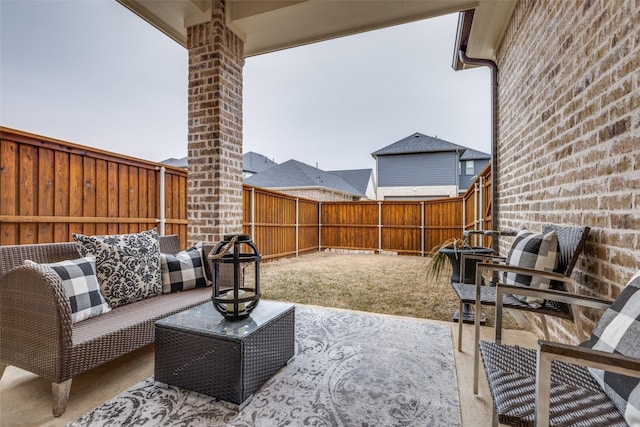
x=225, y=250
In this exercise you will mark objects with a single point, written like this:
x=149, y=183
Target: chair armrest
x=552, y=294
x=482, y=257
x=549, y=351
x=584, y=356
x=35, y=320
x=549, y=294
x=526, y=271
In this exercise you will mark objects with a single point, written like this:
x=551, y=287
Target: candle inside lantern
x=241, y=305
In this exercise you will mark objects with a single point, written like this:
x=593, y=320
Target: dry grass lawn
x=375, y=283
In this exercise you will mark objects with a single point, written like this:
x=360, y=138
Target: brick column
x=214, y=195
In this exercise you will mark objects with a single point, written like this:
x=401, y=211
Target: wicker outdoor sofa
x=36, y=330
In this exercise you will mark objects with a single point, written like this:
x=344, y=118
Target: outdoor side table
x=198, y=349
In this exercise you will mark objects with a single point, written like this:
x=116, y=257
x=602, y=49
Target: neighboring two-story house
x=421, y=167
x=472, y=162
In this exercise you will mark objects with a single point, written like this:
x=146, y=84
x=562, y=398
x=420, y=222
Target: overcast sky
x=93, y=73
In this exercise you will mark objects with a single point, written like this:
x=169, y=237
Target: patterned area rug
x=350, y=369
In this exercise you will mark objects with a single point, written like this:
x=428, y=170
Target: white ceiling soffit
x=490, y=22
x=269, y=25
x=310, y=21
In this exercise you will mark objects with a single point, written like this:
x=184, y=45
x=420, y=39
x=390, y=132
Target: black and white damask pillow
x=128, y=265
x=182, y=271
x=81, y=286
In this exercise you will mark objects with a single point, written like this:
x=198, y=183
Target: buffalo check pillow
x=618, y=331
x=182, y=271
x=81, y=286
x=532, y=250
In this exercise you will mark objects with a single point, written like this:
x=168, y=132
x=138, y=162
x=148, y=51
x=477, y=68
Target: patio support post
x=214, y=182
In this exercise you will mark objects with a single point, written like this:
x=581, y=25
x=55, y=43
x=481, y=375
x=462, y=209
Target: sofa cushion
x=532, y=250
x=183, y=270
x=618, y=331
x=128, y=265
x=81, y=286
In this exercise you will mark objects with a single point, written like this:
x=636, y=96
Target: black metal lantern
x=238, y=302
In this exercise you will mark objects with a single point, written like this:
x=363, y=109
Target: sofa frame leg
x=60, y=395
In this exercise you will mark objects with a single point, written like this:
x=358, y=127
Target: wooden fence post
x=379, y=227
x=253, y=213
x=421, y=228
x=162, y=221
x=319, y=226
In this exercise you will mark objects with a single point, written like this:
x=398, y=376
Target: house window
x=469, y=167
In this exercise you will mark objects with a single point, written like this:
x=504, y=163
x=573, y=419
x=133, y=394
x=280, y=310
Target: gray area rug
x=350, y=369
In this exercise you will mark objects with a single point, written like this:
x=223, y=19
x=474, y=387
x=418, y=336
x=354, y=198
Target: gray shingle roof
x=472, y=154
x=358, y=178
x=179, y=163
x=295, y=174
x=418, y=143
x=256, y=163
x=251, y=162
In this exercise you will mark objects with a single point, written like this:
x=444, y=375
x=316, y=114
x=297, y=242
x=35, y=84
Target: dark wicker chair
x=571, y=241
x=552, y=387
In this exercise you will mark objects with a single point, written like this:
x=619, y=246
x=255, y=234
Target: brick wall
x=214, y=195
x=569, y=132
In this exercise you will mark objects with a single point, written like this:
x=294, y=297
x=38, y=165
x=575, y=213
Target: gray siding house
x=472, y=162
x=421, y=167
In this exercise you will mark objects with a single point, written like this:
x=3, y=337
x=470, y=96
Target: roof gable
x=358, y=178
x=471, y=154
x=418, y=143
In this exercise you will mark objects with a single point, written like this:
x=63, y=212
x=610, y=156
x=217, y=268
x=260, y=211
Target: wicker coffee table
x=198, y=349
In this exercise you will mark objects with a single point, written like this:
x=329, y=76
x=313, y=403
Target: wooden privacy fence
x=477, y=207
x=50, y=189
x=403, y=227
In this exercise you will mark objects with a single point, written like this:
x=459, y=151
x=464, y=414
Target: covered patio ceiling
x=271, y=25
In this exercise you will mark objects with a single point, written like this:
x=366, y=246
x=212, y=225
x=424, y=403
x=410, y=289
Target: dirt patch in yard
x=386, y=284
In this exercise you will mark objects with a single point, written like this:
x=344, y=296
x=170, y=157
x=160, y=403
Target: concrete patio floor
x=25, y=399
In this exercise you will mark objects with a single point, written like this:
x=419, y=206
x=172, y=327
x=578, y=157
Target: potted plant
x=452, y=250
